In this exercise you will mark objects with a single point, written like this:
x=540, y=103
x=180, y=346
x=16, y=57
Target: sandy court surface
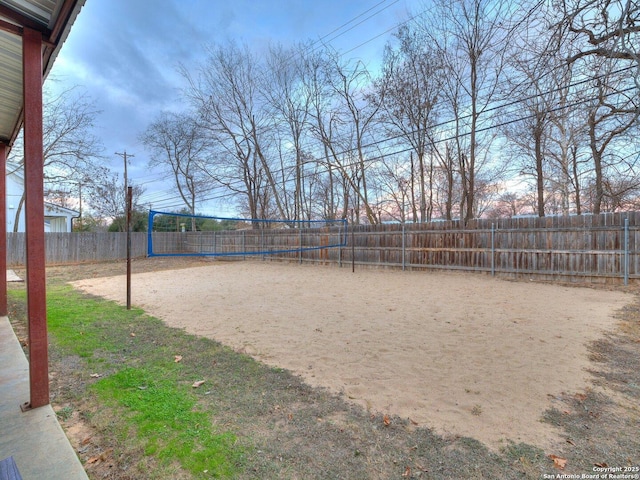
x=463, y=354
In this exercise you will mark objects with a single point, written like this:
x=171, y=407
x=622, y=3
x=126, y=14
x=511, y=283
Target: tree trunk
x=537, y=136
x=596, y=155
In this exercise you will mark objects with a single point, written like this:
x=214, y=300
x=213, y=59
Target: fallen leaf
x=95, y=375
x=386, y=420
x=601, y=465
x=407, y=472
x=413, y=422
x=102, y=457
x=558, y=462
x=290, y=416
x=197, y=384
x=133, y=334
x=177, y=358
x=570, y=442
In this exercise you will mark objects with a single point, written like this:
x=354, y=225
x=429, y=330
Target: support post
x=129, y=198
x=3, y=229
x=353, y=243
x=340, y=245
x=34, y=219
x=493, y=249
x=626, y=251
x=404, y=247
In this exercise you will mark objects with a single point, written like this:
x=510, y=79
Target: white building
x=56, y=218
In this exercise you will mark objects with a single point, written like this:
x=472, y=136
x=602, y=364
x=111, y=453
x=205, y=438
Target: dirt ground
x=463, y=354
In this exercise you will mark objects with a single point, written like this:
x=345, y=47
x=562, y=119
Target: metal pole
x=340, y=246
x=403, y=247
x=300, y=245
x=129, y=197
x=626, y=251
x=493, y=250
x=353, y=244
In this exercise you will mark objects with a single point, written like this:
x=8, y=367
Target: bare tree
x=226, y=94
x=178, y=146
x=605, y=35
x=607, y=28
x=355, y=117
x=408, y=91
x=110, y=202
x=70, y=150
x=473, y=38
x=611, y=116
x=290, y=102
x=323, y=129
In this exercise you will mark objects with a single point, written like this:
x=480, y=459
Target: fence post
x=353, y=243
x=493, y=250
x=626, y=251
x=300, y=244
x=340, y=246
x=403, y=247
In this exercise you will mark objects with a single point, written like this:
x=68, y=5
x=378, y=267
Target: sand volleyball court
x=463, y=354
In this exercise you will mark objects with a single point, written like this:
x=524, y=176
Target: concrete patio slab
x=33, y=438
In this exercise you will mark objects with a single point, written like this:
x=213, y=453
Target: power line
x=391, y=138
x=408, y=149
x=322, y=39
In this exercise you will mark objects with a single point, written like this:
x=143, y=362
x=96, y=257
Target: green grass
x=149, y=393
x=163, y=415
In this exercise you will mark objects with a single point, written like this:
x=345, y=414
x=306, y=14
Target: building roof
x=51, y=208
x=53, y=18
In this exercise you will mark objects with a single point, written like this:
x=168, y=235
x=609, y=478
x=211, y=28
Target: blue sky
x=124, y=53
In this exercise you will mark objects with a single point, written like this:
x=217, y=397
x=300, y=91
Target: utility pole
x=125, y=156
x=80, y=196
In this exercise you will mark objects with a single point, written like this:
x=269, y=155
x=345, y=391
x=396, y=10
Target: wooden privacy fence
x=593, y=248
x=587, y=248
x=67, y=248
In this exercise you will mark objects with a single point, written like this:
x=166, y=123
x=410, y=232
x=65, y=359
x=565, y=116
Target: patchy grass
x=150, y=393
x=131, y=411
x=601, y=423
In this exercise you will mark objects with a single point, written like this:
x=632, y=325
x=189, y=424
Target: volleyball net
x=178, y=234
